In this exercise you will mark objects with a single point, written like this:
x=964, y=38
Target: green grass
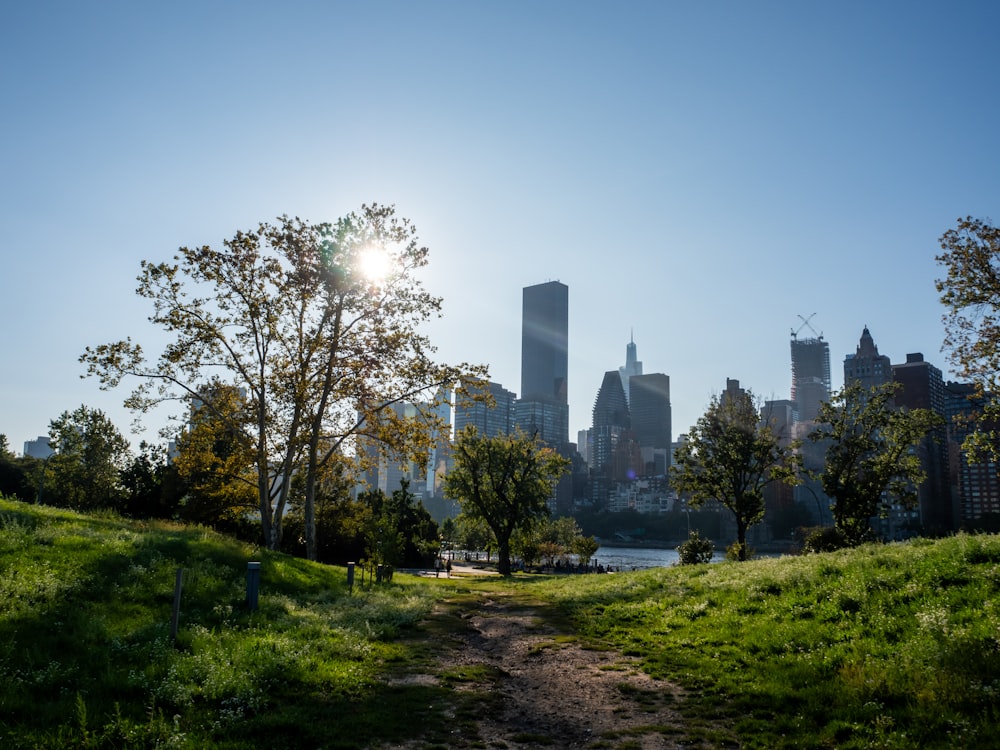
x=894, y=646
x=86, y=657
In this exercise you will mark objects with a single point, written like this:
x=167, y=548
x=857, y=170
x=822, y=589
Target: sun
x=375, y=264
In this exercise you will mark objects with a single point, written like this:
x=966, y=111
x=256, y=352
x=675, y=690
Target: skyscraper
x=651, y=419
x=611, y=421
x=923, y=388
x=543, y=408
x=631, y=368
x=810, y=388
x=810, y=375
x=866, y=366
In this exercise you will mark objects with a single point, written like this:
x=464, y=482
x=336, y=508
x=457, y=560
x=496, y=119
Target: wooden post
x=175, y=619
x=253, y=584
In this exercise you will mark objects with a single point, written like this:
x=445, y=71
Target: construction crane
x=805, y=324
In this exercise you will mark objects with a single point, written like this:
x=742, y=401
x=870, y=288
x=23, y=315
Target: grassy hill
x=893, y=646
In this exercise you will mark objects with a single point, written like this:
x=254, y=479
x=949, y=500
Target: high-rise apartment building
x=38, y=448
x=923, y=388
x=975, y=484
x=543, y=408
x=489, y=420
x=611, y=421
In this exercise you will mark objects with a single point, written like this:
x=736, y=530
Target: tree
x=215, y=461
x=970, y=293
x=15, y=473
x=506, y=481
x=731, y=454
x=870, y=456
x=293, y=315
x=152, y=486
x=403, y=516
x=90, y=456
x=473, y=534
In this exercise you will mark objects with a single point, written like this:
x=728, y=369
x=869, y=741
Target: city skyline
x=699, y=176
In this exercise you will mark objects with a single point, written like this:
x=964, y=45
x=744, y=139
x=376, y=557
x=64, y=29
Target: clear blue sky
x=700, y=173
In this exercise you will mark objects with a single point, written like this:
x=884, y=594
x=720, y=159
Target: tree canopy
x=506, y=481
x=870, y=457
x=318, y=338
x=731, y=455
x=970, y=293
x=90, y=455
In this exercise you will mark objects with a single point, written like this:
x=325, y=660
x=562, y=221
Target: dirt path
x=537, y=686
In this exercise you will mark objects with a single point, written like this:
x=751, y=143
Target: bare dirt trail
x=541, y=687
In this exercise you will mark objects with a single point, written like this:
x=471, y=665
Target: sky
x=699, y=174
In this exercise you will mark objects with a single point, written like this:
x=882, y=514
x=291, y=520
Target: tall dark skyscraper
x=543, y=406
x=649, y=407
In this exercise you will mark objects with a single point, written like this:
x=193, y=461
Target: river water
x=638, y=558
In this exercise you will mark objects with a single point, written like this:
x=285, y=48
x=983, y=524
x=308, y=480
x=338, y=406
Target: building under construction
x=810, y=372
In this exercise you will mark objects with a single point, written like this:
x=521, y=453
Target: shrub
x=697, y=549
x=823, y=539
x=733, y=552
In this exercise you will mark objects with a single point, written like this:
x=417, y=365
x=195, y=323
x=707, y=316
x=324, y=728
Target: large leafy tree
x=731, y=455
x=870, y=455
x=215, y=460
x=505, y=480
x=318, y=325
x=970, y=293
x=85, y=471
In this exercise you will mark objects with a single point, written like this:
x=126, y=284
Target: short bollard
x=253, y=584
x=175, y=618
x=350, y=578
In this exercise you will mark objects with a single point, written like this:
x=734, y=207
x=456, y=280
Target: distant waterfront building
x=440, y=454
x=38, y=448
x=779, y=498
x=543, y=408
x=630, y=369
x=490, y=421
x=781, y=415
x=583, y=445
x=923, y=388
x=386, y=468
x=650, y=412
x=733, y=390
x=866, y=366
x=975, y=485
x=610, y=422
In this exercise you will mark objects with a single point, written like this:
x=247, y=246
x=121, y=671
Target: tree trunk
x=503, y=557
x=741, y=539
